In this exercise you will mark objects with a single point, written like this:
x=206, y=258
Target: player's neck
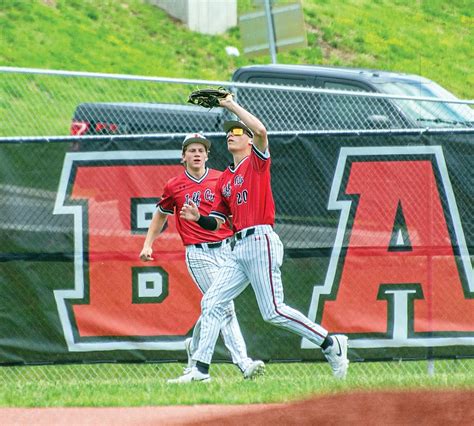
x=239, y=156
x=196, y=173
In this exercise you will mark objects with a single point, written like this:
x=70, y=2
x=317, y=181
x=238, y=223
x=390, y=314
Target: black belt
x=212, y=245
x=243, y=234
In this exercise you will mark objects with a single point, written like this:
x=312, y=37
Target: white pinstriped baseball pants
x=203, y=265
x=256, y=258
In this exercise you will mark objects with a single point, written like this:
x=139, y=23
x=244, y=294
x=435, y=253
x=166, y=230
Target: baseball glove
x=208, y=98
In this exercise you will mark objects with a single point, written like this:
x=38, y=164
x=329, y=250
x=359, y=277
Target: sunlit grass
x=145, y=384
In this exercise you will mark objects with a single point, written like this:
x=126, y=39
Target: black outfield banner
x=378, y=230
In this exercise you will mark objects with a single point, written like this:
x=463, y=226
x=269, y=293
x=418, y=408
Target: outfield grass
x=102, y=385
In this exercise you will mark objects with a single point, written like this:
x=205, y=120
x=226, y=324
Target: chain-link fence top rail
x=48, y=103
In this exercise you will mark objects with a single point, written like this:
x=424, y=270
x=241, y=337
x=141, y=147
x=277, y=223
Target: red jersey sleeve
x=167, y=203
x=260, y=160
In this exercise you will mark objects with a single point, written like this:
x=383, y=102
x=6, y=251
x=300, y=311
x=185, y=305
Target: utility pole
x=271, y=33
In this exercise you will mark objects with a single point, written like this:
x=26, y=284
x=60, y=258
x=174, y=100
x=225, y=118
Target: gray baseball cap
x=196, y=138
x=228, y=125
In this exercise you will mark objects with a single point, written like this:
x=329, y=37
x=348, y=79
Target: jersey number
x=242, y=197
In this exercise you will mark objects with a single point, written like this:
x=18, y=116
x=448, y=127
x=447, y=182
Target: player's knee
x=206, y=303
x=271, y=317
x=214, y=310
x=229, y=310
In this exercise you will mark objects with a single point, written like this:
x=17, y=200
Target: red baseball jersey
x=245, y=193
x=183, y=188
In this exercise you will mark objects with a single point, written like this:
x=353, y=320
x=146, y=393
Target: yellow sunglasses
x=236, y=131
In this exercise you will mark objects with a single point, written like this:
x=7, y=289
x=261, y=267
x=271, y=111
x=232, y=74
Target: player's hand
x=189, y=212
x=225, y=102
x=145, y=254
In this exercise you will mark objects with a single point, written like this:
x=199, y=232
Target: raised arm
x=154, y=230
x=260, y=139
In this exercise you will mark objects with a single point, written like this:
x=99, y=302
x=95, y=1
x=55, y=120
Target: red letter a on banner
x=399, y=243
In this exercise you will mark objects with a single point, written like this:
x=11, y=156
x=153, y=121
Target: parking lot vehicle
x=293, y=110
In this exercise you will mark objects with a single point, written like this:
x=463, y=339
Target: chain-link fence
x=48, y=103
x=68, y=240
x=397, y=373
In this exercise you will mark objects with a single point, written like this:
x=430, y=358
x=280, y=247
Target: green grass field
x=145, y=384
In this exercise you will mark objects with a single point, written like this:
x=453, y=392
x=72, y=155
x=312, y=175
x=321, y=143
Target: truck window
x=281, y=109
x=337, y=85
x=350, y=112
x=284, y=81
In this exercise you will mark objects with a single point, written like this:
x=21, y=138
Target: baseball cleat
x=336, y=355
x=256, y=368
x=194, y=375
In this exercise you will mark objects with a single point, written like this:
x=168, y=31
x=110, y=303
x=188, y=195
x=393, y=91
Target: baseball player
x=206, y=251
x=243, y=191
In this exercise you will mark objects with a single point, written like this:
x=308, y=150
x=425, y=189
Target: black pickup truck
x=291, y=110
